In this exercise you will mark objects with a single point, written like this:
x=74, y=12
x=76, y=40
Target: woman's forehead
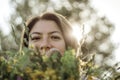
x=45, y=26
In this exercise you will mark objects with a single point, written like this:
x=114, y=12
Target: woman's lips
x=49, y=52
x=52, y=51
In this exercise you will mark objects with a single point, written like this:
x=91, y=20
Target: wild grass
x=27, y=64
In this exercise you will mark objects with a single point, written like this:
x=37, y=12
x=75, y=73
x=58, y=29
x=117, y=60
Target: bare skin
x=46, y=36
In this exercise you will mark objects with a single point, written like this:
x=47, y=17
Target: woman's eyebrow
x=36, y=33
x=54, y=32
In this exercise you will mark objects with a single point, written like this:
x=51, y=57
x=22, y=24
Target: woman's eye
x=55, y=37
x=35, y=38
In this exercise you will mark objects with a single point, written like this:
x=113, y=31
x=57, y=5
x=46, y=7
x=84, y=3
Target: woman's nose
x=45, y=44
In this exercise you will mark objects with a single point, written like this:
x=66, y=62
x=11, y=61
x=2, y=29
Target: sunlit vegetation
x=18, y=62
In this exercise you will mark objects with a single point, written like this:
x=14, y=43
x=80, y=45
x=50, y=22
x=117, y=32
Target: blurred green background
x=80, y=12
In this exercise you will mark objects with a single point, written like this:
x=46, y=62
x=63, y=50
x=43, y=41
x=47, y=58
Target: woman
x=49, y=32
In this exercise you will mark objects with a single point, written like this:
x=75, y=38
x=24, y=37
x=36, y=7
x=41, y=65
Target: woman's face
x=46, y=36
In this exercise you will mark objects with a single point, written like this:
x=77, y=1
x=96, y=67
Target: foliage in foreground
x=29, y=65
